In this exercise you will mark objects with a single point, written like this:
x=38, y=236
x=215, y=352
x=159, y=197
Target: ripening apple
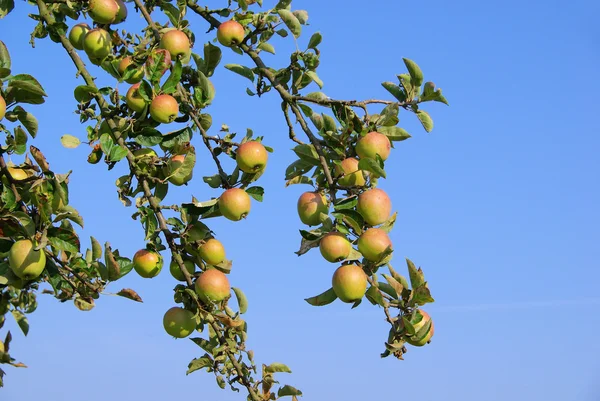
x=212, y=252
x=414, y=340
x=375, y=206
x=352, y=176
x=164, y=109
x=97, y=44
x=25, y=261
x=230, y=33
x=77, y=34
x=235, y=204
x=122, y=13
x=147, y=263
x=17, y=174
x=103, y=11
x=349, y=283
x=172, y=166
x=136, y=76
x=373, y=144
x=2, y=108
x=310, y=206
x=212, y=286
x=251, y=157
x=335, y=247
x=374, y=243
x=176, y=271
x=134, y=100
x=176, y=42
x=179, y=322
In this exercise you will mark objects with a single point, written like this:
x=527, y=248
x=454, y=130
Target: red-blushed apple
x=176, y=271
x=230, y=33
x=97, y=44
x=352, y=176
x=136, y=76
x=375, y=206
x=212, y=252
x=310, y=206
x=349, y=283
x=417, y=339
x=373, y=144
x=374, y=243
x=235, y=204
x=25, y=262
x=147, y=263
x=176, y=177
x=251, y=157
x=103, y=11
x=179, y=322
x=176, y=42
x=77, y=34
x=164, y=109
x=134, y=100
x=122, y=13
x=335, y=247
x=212, y=286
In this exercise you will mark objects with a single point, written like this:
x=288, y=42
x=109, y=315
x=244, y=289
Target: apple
x=176, y=42
x=17, y=174
x=230, y=33
x=2, y=107
x=251, y=157
x=373, y=244
x=133, y=99
x=122, y=13
x=335, y=247
x=172, y=166
x=136, y=76
x=349, y=283
x=77, y=34
x=176, y=271
x=235, y=204
x=25, y=262
x=415, y=339
x=103, y=11
x=164, y=109
x=212, y=286
x=374, y=206
x=97, y=44
x=351, y=176
x=147, y=263
x=310, y=206
x=212, y=252
x=179, y=322
x=372, y=144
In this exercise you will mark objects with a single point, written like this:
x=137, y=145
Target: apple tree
x=156, y=127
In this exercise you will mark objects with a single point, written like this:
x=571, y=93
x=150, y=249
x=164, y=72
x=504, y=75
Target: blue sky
x=499, y=205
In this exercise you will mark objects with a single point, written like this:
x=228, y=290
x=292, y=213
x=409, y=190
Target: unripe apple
x=2, y=107
x=235, y=204
x=335, y=247
x=25, y=261
x=212, y=252
x=147, y=263
x=349, y=283
x=374, y=243
x=179, y=322
x=137, y=75
x=212, y=286
x=97, y=44
x=310, y=206
x=352, y=176
x=122, y=13
x=133, y=99
x=77, y=34
x=17, y=174
x=414, y=340
x=176, y=271
x=175, y=163
x=164, y=109
x=230, y=33
x=374, y=206
x=103, y=11
x=251, y=157
x=176, y=42
x=372, y=144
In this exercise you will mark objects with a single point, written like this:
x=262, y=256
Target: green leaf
x=395, y=284
x=346, y=203
x=84, y=93
x=117, y=153
x=416, y=75
x=21, y=321
x=241, y=70
x=389, y=223
x=149, y=137
x=70, y=141
x=372, y=166
x=176, y=138
x=299, y=180
x=425, y=119
x=288, y=390
x=313, y=75
x=398, y=277
x=25, y=221
x=20, y=140
x=63, y=239
x=4, y=54
x=27, y=119
x=277, y=367
x=374, y=296
x=96, y=248
x=155, y=66
x=395, y=90
x=298, y=168
x=256, y=192
x=267, y=47
x=213, y=181
x=421, y=295
x=291, y=21
x=417, y=278
x=212, y=58
x=241, y=299
x=389, y=115
x=27, y=83
x=315, y=40
x=307, y=153
x=200, y=363
x=322, y=299
x=114, y=269
x=431, y=94
x=69, y=212
x=394, y=133
x=171, y=83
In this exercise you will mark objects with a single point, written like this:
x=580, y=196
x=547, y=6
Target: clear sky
x=499, y=205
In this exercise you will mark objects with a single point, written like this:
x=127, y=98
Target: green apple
x=335, y=247
x=251, y=157
x=77, y=34
x=25, y=262
x=179, y=322
x=212, y=286
x=97, y=44
x=374, y=243
x=122, y=13
x=176, y=271
x=350, y=175
x=133, y=99
x=212, y=252
x=147, y=264
x=349, y=283
x=372, y=144
x=103, y=11
x=136, y=76
x=177, y=178
x=310, y=206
